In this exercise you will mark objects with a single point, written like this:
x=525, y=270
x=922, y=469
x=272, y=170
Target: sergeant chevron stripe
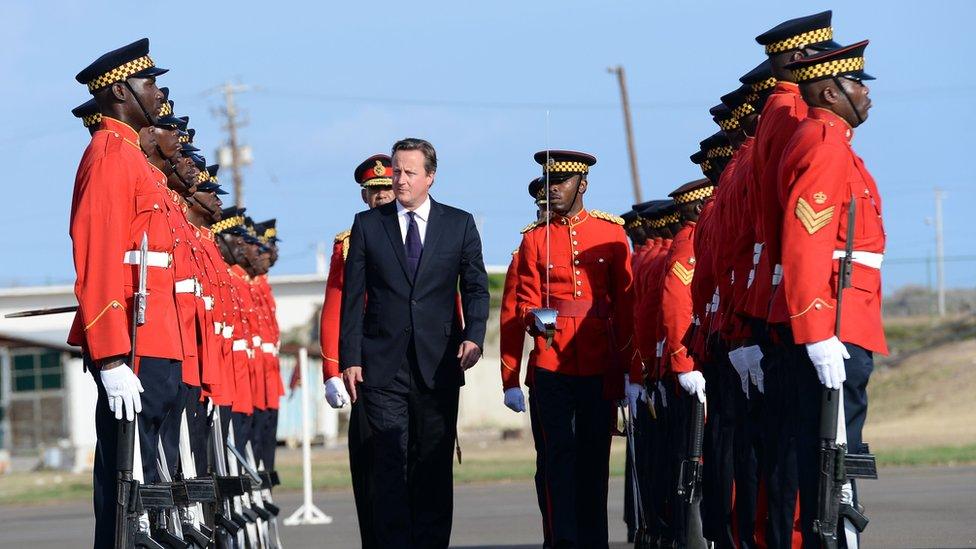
x=683, y=273
x=813, y=220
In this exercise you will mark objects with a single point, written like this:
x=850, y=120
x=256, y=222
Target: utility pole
x=939, y=251
x=628, y=127
x=232, y=153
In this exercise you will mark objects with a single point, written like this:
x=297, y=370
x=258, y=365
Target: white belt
x=218, y=328
x=868, y=259
x=256, y=341
x=187, y=286
x=268, y=348
x=239, y=345
x=228, y=331
x=777, y=274
x=208, y=302
x=153, y=259
x=660, y=349
x=695, y=320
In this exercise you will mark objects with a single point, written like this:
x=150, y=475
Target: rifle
x=690, y=476
x=642, y=538
x=253, y=495
x=227, y=522
x=835, y=501
x=133, y=499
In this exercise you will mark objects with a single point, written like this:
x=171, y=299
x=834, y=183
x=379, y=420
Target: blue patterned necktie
x=413, y=246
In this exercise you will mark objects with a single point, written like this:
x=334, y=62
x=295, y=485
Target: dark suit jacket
x=400, y=309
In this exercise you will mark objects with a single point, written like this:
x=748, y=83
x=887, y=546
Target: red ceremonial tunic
x=117, y=198
x=823, y=175
x=676, y=299
x=590, y=284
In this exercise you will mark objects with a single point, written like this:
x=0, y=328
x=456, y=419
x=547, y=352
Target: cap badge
x=379, y=169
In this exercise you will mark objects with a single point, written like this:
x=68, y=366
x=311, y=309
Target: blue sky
x=339, y=81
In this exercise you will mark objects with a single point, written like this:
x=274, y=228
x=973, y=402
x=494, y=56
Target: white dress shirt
x=423, y=213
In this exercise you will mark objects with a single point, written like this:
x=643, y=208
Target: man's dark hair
x=415, y=144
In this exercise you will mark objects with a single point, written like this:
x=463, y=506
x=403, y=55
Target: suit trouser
x=542, y=496
x=575, y=421
x=360, y=458
x=413, y=431
x=162, y=400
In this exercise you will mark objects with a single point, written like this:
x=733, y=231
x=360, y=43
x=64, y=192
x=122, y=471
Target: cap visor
x=825, y=46
x=151, y=71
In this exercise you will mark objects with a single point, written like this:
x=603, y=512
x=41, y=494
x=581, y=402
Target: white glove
x=515, y=399
x=753, y=356
x=335, y=392
x=694, y=384
x=123, y=388
x=741, y=367
x=635, y=392
x=828, y=357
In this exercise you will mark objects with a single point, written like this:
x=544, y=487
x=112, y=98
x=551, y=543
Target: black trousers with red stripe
x=574, y=420
x=540, y=469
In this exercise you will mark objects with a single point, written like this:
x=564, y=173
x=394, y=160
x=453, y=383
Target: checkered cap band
x=121, y=72
x=706, y=165
x=166, y=109
x=697, y=194
x=203, y=177
x=801, y=40
x=656, y=223
x=91, y=119
x=635, y=223
x=828, y=68
x=752, y=98
x=719, y=152
x=213, y=179
x=565, y=167
x=184, y=138
x=764, y=84
x=742, y=110
x=728, y=125
x=229, y=223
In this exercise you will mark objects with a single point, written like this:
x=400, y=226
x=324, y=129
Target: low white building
x=47, y=399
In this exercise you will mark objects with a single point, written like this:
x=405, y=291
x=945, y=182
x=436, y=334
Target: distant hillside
x=921, y=396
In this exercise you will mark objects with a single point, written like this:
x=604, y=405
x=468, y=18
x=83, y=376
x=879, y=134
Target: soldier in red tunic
x=785, y=108
x=577, y=264
x=118, y=198
x=824, y=178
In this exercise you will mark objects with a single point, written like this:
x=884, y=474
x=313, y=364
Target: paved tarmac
x=912, y=507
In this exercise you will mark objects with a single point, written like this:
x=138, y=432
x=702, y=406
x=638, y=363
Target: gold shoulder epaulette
x=607, y=217
x=530, y=226
x=343, y=235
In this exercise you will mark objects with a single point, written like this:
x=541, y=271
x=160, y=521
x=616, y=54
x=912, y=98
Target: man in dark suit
x=405, y=352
